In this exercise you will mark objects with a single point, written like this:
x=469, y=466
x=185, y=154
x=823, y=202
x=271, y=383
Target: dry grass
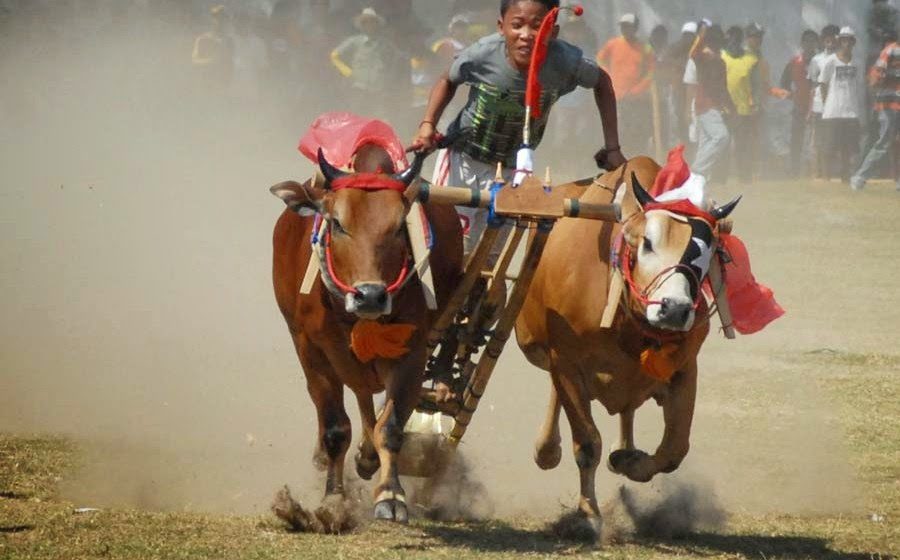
x=34, y=524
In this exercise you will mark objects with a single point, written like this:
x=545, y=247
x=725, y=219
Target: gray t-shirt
x=496, y=107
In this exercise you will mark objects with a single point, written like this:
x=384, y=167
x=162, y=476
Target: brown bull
x=369, y=253
x=559, y=328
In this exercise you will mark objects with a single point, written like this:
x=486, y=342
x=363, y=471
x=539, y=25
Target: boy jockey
x=496, y=69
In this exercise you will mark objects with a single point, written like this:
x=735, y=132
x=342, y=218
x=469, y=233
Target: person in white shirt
x=842, y=95
x=817, y=140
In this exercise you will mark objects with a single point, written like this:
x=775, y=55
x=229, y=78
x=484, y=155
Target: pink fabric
x=340, y=135
x=753, y=305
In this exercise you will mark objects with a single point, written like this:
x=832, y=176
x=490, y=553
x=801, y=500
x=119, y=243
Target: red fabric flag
x=674, y=174
x=340, y=134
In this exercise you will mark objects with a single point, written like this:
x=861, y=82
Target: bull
x=365, y=275
x=664, y=254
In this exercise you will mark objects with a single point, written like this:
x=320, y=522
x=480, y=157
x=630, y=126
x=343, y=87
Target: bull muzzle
x=370, y=300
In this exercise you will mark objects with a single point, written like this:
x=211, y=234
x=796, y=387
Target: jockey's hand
x=610, y=159
x=426, y=139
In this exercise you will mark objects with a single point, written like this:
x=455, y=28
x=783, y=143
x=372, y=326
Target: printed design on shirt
x=845, y=74
x=498, y=117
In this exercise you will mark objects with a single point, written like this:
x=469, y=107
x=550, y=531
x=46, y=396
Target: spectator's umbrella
x=525, y=156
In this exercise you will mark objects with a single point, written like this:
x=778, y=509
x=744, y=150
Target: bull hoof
x=392, y=510
x=367, y=466
x=548, y=456
x=631, y=463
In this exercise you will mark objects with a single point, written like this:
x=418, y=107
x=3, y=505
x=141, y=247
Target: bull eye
x=337, y=227
x=647, y=245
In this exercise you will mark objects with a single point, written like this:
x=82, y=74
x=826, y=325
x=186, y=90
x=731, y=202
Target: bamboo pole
x=479, y=380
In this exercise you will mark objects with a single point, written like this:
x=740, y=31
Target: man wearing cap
x=794, y=79
x=885, y=80
x=828, y=40
x=842, y=94
x=630, y=63
x=370, y=62
x=213, y=54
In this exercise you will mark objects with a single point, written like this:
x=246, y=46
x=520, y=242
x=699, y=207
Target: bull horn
x=329, y=171
x=410, y=173
x=642, y=196
x=723, y=212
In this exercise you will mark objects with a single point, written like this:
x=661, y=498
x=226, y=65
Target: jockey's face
x=520, y=25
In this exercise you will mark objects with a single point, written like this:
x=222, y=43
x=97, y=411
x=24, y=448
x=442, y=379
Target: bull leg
x=367, y=456
x=335, y=432
x=587, y=443
x=678, y=413
x=403, y=390
x=626, y=429
x=547, y=450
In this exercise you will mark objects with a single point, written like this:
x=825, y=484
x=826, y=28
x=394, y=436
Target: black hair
x=505, y=4
x=809, y=34
x=831, y=29
x=715, y=37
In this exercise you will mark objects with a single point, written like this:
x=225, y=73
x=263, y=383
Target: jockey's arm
x=441, y=95
x=605, y=97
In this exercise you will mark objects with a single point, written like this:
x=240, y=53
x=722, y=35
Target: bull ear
x=722, y=212
x=304, y=199
x=642, y=196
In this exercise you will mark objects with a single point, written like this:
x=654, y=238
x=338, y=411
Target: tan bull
x=662, y=311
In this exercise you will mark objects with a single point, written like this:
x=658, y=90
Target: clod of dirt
x=333, y=517
x=575, y=526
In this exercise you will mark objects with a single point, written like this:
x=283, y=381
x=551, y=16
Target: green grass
x=36, y=524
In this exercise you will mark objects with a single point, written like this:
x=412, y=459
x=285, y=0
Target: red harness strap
x=348, y=289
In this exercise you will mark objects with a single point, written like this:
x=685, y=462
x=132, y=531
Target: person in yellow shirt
x=742, y=74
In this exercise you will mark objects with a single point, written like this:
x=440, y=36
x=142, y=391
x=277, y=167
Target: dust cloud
x=138, y=316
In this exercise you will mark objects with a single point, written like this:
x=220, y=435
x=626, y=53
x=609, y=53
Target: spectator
x=213, y=54
x=705, y=76
x=819, y=144
x=659, y=42
x=885, y=80
x=457, y=39
x=630, y=63
x=794, y=79
x=372, y=64
x=882, y=25
x=742, y=71
x=841, y=92
x=671, y=71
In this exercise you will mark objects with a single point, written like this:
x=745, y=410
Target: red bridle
x=643, y=295
x=348, y=289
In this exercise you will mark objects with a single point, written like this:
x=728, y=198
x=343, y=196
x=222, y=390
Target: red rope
x=642, y=295
x=346, y=288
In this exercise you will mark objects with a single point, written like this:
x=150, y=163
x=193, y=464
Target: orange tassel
x=659, y=364
x=371, y=339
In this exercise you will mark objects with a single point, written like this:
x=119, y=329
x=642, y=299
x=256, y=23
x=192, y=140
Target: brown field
x=140, y=327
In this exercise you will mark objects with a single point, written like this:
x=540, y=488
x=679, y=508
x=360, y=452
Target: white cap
x=847, y=31
x=628, y=18
x=460, y=18
x=689, y=27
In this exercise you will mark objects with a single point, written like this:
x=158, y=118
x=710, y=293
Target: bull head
x=368, y=245
x=673, y=255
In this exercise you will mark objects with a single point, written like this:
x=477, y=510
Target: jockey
x=496, y=69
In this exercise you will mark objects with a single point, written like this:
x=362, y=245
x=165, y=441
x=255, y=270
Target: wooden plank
x=415, y=226
x=530, y=200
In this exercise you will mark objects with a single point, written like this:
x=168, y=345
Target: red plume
x=539, y=56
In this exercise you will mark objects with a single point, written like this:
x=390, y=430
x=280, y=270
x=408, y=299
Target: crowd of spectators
x=710, y=87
